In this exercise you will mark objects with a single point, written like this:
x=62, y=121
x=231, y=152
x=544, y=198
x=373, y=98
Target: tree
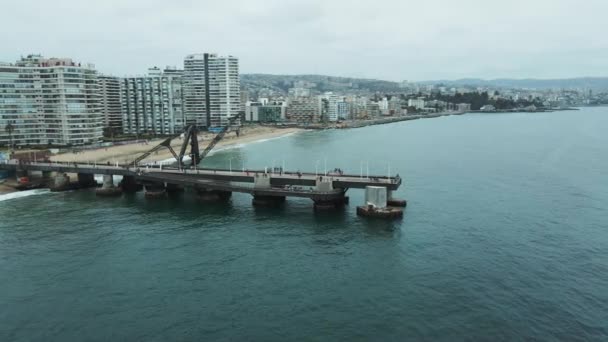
x=412, y=110
x=9, y=128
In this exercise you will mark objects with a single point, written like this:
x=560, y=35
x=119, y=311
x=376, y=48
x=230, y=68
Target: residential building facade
x=109, y=102
x=153, y=104
x=464, y=107
x=264, y=113
x=211, y=89
x=343, y=109
x=328, y=107
x=303, y=110
x=416, y=103
x=49, y=102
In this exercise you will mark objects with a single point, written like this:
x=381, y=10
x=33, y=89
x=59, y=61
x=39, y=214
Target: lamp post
x=361, y=169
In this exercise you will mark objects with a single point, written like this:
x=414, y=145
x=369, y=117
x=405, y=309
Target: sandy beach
x=5, y=189
x=126, y=153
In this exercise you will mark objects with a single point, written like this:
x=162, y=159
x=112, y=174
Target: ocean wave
x=241, y=145
x=26, y=193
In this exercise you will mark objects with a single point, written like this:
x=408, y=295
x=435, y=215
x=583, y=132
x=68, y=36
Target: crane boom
x=164, y=144
x=218, y=137
x=190, y=136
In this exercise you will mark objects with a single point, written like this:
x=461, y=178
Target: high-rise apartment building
x=109, y=102
x=343, y=110
x=328, y=106
x=303, y=110
x=417, y=103
x=211, y=89
x=153, y=104
x=49, y=102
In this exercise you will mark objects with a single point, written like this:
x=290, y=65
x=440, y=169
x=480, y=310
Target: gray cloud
x=394, y=39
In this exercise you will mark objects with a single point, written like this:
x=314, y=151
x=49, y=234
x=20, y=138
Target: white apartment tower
x=109, y=102
x=152, y=104
x=211, y=89
x=328, y=106
x=49, y=102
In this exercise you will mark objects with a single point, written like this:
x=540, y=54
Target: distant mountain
x=594, y=83
x=321, y=83
x=316, y=82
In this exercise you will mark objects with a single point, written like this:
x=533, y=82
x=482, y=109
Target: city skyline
x=395, y=41
x=63, y=101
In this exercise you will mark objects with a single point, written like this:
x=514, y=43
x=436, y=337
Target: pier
x=268, y=187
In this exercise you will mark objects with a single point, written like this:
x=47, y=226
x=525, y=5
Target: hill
x=316, y=82
x=594, y=83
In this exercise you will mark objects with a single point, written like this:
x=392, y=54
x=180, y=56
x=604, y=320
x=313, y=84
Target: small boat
x=25, y=184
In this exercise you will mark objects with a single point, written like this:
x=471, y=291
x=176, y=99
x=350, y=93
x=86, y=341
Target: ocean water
x=505, y=238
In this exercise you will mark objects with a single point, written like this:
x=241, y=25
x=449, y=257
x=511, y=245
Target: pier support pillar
x=21, y=173
x=130, y=185
x=86, y=180
x=108, y=188
x=267, y=201
x=47, y=174
x=395, y=202
x=61, y=182
x=205, y=195
x=261, y=181
x=173, y=188
x=332, y=204
x=324, y=183
x=155, y=190
x=376, y=204
x=34, y=174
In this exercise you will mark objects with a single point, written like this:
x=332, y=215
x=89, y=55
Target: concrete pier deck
x=267, y=188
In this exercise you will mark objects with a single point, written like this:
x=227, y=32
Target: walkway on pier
x=343, y=181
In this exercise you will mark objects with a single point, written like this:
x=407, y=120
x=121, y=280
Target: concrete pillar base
x=61, y=183
x=386, y=213
x=205, y=195
x=155, y=190
x=325, y=205
x=268, y=201
x=47, y=174
x=86, y=180
x=130, y=185
x=109, y=192
x=393, y=202
x=155, y=193
x=174, y=188
x=108, y=188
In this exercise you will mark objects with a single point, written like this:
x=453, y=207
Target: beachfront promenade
x=266, y=186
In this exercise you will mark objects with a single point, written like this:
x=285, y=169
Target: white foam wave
x=241, y=145
x=229, y=147
x=21, y=194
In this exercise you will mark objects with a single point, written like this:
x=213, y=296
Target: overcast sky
x=392, y=40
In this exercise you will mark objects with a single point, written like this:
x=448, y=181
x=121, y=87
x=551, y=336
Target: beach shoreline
x=124, y=154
